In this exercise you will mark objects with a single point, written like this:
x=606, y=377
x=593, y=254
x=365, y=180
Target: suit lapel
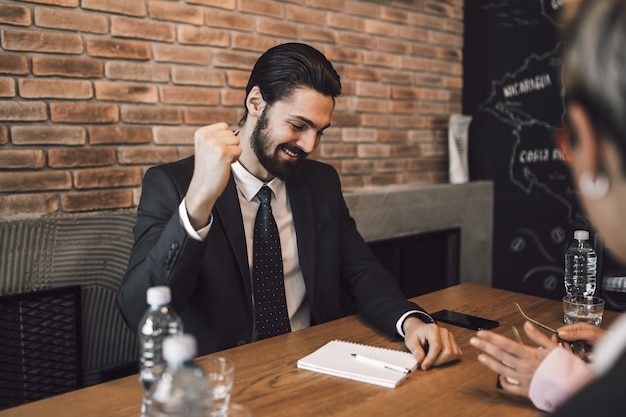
x=302, y=211
x=229, y=211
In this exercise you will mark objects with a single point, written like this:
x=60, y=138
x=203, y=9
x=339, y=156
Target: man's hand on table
x=431, y=344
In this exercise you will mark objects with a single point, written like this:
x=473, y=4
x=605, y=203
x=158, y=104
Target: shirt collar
x=249, y=185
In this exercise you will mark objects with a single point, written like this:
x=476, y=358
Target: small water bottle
x=581, y=264
x=182, y=390
x=159, y=321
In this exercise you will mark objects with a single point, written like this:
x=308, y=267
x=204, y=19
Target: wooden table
x=268, y=381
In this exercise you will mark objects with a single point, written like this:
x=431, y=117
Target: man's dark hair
x=284, y=68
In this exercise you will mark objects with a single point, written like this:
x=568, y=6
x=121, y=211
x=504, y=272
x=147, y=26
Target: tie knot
x=265, y=194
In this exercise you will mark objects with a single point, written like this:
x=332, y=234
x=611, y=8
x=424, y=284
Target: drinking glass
x=220, y=373
x=583, y=309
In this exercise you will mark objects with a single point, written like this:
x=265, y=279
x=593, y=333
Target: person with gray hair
x=594, y=147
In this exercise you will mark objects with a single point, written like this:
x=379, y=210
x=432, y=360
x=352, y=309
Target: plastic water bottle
x=183, y=389
x=157, y=322
x=581, y=264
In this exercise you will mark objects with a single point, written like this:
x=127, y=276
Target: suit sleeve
x=162, y=253
x=374, y=289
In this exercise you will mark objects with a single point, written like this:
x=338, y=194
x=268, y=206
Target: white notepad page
x=335, y=358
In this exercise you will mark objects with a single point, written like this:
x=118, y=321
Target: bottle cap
x=158, y=296
x=179, y=348
x=581, y=235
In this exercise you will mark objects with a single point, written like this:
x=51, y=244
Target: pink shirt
x=559, y=375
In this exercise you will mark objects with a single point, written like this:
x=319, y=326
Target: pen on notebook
x=372, y=361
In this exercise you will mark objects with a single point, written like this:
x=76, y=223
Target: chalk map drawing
x=529, y=99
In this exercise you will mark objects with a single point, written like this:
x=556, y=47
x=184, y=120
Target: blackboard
x=513, y=91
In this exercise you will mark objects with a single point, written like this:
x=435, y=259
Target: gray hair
x=594, y=66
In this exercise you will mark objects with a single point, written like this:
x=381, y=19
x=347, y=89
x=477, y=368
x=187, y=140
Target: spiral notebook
x=371, y=364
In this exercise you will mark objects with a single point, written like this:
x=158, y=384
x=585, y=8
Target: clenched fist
x=216, y=148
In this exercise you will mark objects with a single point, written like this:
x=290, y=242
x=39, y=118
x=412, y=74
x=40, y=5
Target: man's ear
x=254, y=102
x=588, y=155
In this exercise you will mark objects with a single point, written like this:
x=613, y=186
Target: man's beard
x=261, y=143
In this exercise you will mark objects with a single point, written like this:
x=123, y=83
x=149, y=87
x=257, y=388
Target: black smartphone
x=464, y=320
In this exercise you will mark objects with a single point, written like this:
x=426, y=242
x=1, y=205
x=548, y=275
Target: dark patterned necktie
x=270, y=305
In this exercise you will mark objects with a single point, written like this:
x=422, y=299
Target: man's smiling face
x=287, y=131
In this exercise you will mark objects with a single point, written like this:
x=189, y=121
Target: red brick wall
x=93, y=92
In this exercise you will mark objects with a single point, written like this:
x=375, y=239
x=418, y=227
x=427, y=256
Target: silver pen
x=382, y=364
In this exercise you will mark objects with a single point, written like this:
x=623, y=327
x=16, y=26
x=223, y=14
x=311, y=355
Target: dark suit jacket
x=210, y=280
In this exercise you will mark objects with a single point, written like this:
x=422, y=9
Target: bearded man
x=196, y=226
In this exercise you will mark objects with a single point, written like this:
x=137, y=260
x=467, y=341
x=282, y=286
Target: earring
x=593, y=189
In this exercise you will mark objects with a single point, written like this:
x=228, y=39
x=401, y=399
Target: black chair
x=86, y=249
x=40, y=344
